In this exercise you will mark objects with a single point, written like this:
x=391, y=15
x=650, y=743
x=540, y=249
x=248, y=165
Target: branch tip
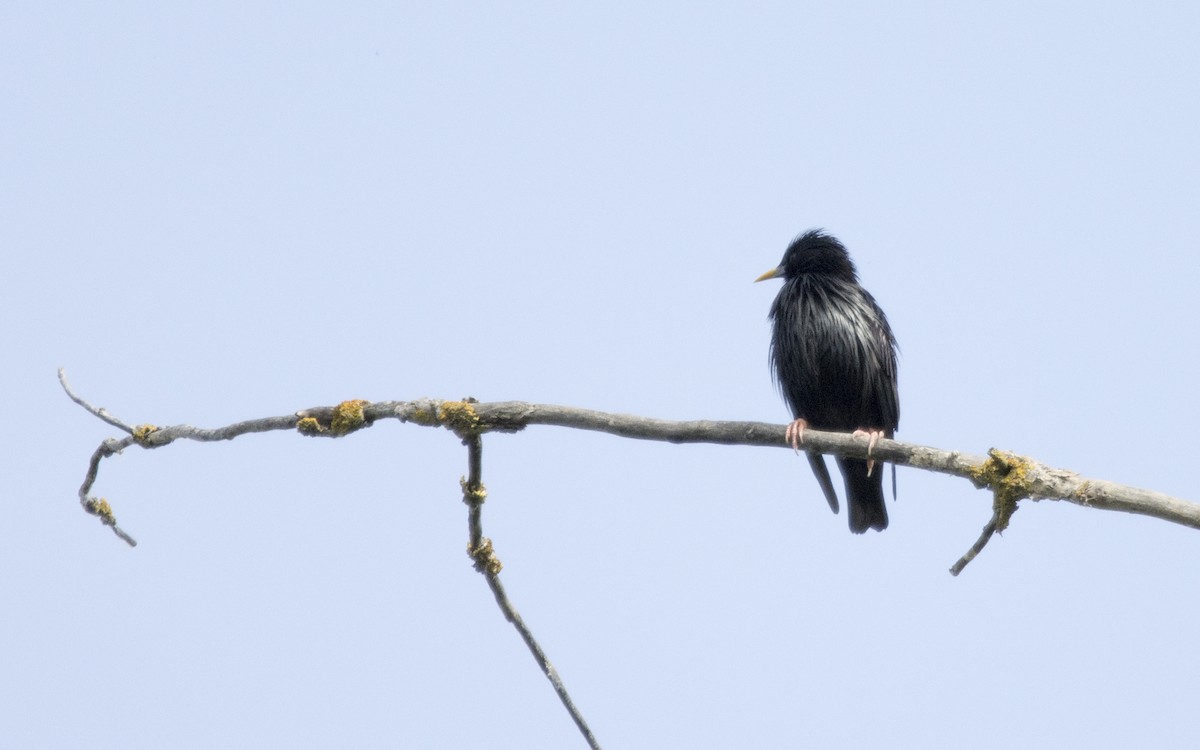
x=100, y=413
x=976, y=548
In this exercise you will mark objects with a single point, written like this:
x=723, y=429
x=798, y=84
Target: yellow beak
x=770, y=274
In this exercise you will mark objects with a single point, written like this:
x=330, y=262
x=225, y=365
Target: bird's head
x=814, y=252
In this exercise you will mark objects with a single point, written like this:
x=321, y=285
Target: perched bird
x=834, y=359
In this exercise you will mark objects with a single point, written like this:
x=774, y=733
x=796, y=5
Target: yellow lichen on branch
x=472, y=494
x=1008, y=476
x=100, y=507
x=459, y=416
x=142, y=432
x=309, y=426
x=348, y=416
x=485, y=557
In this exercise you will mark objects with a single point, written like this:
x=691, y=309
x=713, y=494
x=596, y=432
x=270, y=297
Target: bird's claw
x=795, y=434
x=872, y=438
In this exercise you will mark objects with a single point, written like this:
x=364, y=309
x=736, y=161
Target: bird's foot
x=873, y=438
x=795, y=434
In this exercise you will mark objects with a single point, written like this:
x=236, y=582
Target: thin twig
x=481, y=550
x=976, y=548
x=95, y=411
x=98, y=506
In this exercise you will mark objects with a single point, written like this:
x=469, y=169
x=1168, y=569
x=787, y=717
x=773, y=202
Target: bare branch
x=481, y=551
x=1010, y=476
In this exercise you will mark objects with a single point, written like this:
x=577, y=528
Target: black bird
x=834, y=359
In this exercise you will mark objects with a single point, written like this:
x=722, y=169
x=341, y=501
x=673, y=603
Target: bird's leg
x=795, y=434
x=873, y=438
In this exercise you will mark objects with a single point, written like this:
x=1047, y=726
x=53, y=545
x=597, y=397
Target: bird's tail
x=817, y=462
x=864, y=495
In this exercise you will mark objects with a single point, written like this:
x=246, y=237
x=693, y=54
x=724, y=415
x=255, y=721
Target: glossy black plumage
x=834, y=359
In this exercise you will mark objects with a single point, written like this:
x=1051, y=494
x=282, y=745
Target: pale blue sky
x=213, y=212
